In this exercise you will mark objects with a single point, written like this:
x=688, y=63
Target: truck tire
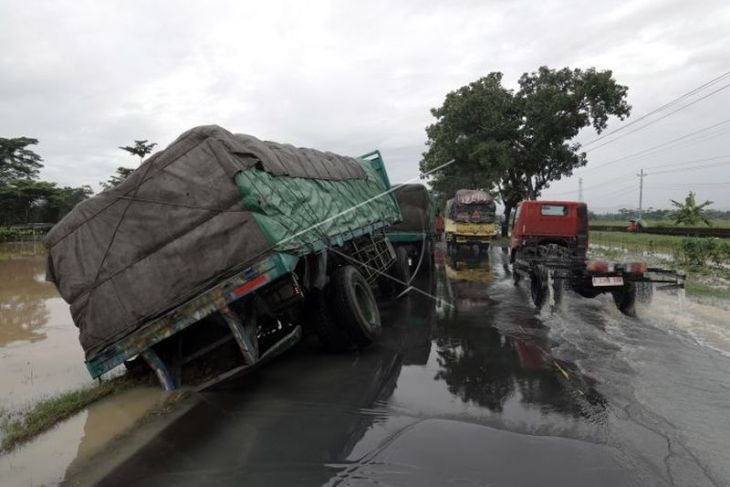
x=331, y=335
x=558, y=290
x=354, y=306
x=538, y=288
x=400, y=270
x=427, y=257
x=644, y=292
x=625, y=299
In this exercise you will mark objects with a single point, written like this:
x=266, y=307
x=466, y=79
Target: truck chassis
x=552, y=268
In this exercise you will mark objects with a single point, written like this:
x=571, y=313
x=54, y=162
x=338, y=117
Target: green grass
x=696, y=288
x=614, y=245
x=658, y=223
x=49, y=412
x=667, y=244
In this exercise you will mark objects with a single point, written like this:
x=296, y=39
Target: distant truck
x=220, y=251
x=549, y=245
x=412, y=238
x=470, y=221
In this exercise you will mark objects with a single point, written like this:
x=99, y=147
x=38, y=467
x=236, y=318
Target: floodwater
x=40, y=356
x=472, y=386
x=71, y=445
x=40, y=353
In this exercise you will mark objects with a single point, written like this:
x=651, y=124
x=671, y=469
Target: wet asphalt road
x=472, y=387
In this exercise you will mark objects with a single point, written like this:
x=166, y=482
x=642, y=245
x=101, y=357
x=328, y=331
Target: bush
x=8, y=234
x=698, y=251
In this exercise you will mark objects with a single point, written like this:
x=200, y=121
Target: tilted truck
x=221, y=250
x=412, y=238
x=549, y=245
x=470, y=221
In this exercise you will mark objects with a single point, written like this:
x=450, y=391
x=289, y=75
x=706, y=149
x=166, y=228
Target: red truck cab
x=543, y=222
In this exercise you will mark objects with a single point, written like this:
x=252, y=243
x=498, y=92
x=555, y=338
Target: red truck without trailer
x=549, y=244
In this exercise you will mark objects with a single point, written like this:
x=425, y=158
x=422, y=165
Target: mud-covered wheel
x=644, y=292
x=137, y=367
x=558, y=289
x=354, y=306
x=399, y=274
x=538, y=288
x=625, y=299
x=331, y=335
x=516, y=277
x=427, y=256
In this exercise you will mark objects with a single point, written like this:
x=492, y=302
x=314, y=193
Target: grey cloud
x=341, y=76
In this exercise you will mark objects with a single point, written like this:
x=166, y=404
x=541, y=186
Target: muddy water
x=39, y=357
x=474, y=387
x=39, y=350
x=73, y=443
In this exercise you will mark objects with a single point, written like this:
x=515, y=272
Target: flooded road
x=470, y=387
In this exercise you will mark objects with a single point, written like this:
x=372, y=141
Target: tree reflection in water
x=483, y=365
x=23, y=295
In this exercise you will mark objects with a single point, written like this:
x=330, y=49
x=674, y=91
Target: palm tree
x=689, y=212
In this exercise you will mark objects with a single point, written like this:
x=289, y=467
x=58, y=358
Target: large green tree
x=25, y=201
x=17, y=161
x=518, y=142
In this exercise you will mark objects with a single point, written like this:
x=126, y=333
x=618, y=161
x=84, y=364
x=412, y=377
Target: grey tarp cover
x=414, y=202
x=169, y=230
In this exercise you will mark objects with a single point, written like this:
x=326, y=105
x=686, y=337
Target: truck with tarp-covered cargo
x=222, y=250
x=412, y=237
x=470, y=221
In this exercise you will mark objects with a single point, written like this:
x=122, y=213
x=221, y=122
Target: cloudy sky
x=85, y=77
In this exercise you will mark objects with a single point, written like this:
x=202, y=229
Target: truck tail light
x=596, y=266
x=636, y=267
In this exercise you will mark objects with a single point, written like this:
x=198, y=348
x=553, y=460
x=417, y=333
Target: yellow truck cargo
x=470, y=221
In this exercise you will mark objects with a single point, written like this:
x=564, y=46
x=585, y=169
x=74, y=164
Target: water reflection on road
x=465, y=387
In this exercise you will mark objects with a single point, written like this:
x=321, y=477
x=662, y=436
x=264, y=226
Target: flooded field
x=40, y=353
x=40, y=357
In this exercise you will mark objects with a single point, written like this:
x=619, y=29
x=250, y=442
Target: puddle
x=54, y=455
x=40, y=353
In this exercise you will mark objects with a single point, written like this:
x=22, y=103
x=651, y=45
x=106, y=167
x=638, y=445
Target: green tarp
x=293, y=213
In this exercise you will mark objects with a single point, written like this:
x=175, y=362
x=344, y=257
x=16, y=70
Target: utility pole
x=580, y=189
x=641, y=190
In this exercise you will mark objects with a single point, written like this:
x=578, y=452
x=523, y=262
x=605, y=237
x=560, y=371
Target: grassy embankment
x=45, y=414
x=706, y=261
x=716, y=223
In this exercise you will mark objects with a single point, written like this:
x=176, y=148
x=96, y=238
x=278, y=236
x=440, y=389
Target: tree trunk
x=508, y=206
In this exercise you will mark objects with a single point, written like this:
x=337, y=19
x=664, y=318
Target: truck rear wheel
x=354, y=306
x=328, y=330
x=538, y=288
x=400, y=270
x=625, y=299
x=644, y=292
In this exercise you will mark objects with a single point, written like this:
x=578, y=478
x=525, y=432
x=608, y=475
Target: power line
x=690, y=162
x=659, y=146
x=661, y=108
x=693, y=168
x=660, y=118
x=670, y=185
